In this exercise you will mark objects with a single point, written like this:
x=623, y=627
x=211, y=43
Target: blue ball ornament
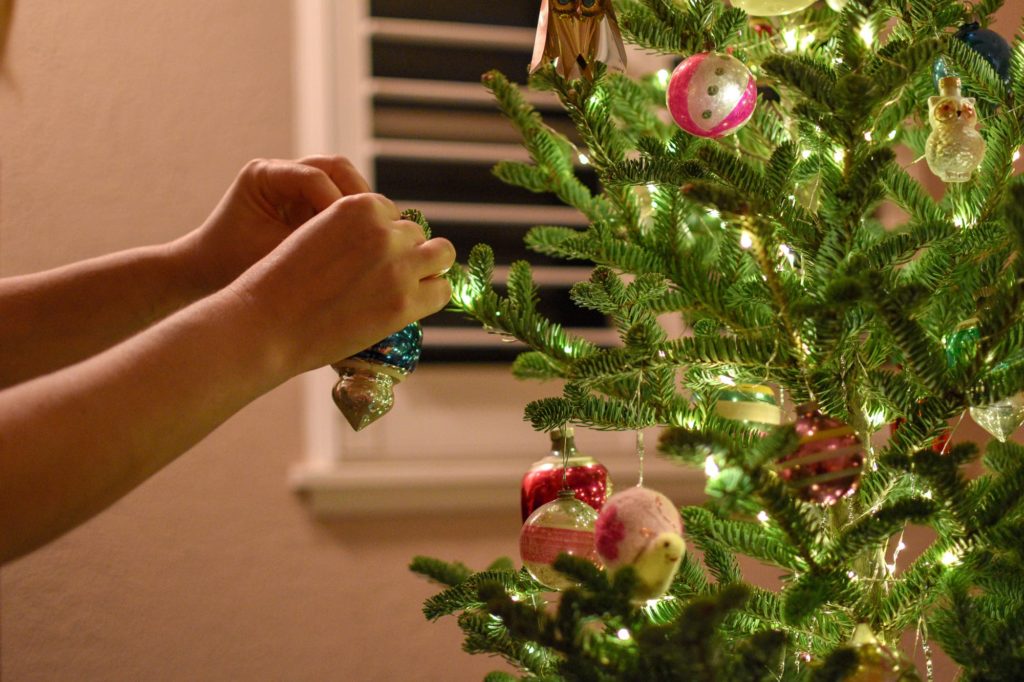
x=989, y=44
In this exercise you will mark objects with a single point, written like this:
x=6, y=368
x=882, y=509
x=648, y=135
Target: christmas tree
x=749, y=210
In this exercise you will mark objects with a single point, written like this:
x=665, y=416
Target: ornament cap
x=563, y=439
x=949, y=86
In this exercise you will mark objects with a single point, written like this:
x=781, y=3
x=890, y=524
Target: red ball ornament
x=563, y=468
x=711, y=94
x=826, y=466
x=564, y=525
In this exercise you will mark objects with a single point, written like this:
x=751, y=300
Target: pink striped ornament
x=711, y=94
x=826, y=466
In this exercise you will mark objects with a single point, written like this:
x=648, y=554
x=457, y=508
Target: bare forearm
x=75, y=441
x=55, y=318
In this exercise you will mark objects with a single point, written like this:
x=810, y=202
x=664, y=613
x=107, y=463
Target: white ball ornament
x=641, y=528
x=771, y=8
x=711, y=94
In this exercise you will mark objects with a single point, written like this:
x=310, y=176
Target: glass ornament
x=711, y=94
x=641, y=528
x=573, y=34
x=1001, y=418
x=365, y=388
x=877, y=662
x=564, y=467
x=564, y=525
x=749, y=403
x=771, y=8
x=826, y=465
x=991, y=46
x=954, y=148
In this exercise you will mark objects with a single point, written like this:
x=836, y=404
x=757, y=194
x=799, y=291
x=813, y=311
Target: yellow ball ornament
x=771, y=8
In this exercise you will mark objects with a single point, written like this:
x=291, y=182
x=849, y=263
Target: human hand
x=344, y=280
x=267, y=201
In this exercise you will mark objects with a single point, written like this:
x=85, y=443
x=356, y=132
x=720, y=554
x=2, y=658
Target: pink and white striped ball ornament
x=711, y=94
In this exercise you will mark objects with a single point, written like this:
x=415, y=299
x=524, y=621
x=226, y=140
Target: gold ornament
x=877, y=662
x=954, y=148
x=771, y=8
x=576, y=33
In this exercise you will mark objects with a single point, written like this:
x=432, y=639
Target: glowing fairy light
x=762, y=516
x=867, y=33
x=927, y=494
x=746, y=240
x=806, y=154
x=788, y=254
x=876, y=419
x=714, y=213
x=623, y=634
x=958, y=221
x=727, y=380
x=789, y=40
x=807, y=41
x=662, y=77
x=852, y=575
x=711, y=467
x=1016, y=156
x=584, y=160
x=838, y=155
x=651, y=188
x=950, y=558
x=867, y=136
x=892, y=135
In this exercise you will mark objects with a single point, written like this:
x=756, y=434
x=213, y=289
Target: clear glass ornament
x=564, y=525
x=771, y=8
x=954, y=148
x=826, y=466
x=711, y=94
x=1000, y=418
x=564, y=467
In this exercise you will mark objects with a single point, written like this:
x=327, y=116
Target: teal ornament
x=988, y=44
x=365, y=389
x=962, y=343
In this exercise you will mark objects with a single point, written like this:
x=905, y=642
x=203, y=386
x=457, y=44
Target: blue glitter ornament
x=989, y=44
x=365, y=389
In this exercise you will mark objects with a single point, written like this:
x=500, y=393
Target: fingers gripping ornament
x=576, y=33
x=711, y=94
x=641, y=528
x=954, y=148
x=365, y=389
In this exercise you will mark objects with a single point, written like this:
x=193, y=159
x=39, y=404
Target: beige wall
x=120, y=124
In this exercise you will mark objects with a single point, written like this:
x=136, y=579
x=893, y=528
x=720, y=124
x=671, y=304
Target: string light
x=950, y=558
x=623, y=634
x=762, y=516
x=867, y=33
x=583, y=159
x=806, y=153
x=746, y=240
x=711, y=467
x=662, y=77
